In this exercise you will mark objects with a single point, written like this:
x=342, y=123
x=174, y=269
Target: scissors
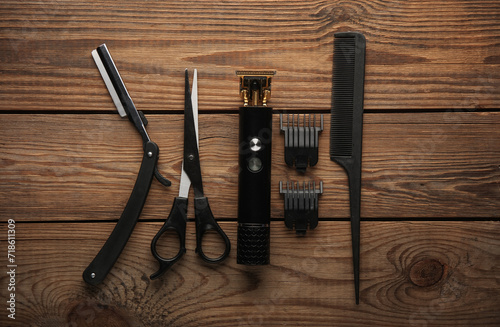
x=191, y=175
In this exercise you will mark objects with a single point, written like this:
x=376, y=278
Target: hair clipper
x=254, y=180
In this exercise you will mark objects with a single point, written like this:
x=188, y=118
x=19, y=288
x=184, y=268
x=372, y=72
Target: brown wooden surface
x=412, y=273
x=430, y=249
x=446, y=166
x=422, y=54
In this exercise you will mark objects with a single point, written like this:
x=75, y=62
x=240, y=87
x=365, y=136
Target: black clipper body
x=254, y=179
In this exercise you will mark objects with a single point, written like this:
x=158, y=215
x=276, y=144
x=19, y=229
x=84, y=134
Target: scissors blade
x=185, y=183
x=191, y=154
x=194, y=103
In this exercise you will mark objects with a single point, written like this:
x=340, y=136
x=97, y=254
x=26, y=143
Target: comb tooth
x=316, y=196
x=308, y=130
x=296, y=196
x=312, y=130
x=309, y=197
x=303, y=131
x=314, y=140
x=287, y=135
x=288, y=195
x=295, y=132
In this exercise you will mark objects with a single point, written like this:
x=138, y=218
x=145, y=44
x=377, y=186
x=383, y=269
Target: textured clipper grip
x=253, y=245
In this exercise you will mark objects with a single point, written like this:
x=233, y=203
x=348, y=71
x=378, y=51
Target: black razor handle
x=99, y=268
x=254, y=185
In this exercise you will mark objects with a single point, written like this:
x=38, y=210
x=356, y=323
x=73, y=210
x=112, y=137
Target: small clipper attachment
x=301, y=140
x=255, y=87
x=301, y=205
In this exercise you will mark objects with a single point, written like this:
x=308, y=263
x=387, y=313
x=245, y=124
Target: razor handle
x=99, y=268
x=254, y=185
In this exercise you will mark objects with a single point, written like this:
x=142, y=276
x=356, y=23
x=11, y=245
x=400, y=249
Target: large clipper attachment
x=301, y=140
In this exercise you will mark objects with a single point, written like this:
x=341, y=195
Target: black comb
x=347, y=125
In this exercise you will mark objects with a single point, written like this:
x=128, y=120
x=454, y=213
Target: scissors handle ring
x=176, y=222
x=224, y=237
x=205, y=222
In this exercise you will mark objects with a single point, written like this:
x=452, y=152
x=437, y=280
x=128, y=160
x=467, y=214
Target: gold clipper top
x=255, y=87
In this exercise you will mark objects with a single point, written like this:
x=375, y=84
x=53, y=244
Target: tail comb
x=347, y=125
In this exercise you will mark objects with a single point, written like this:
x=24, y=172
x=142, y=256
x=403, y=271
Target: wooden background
x=430, y=231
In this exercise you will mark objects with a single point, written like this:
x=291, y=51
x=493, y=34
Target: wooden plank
x=418, y=56
x=83, y=167
x=412, y=273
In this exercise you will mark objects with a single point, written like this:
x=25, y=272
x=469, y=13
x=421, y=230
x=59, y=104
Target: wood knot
x=426, y=273
x=88, y=313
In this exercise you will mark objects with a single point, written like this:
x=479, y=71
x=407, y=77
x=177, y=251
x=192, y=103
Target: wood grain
x=431, y=161
x=420, y=54
x=412, y=274
x=83, y=167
